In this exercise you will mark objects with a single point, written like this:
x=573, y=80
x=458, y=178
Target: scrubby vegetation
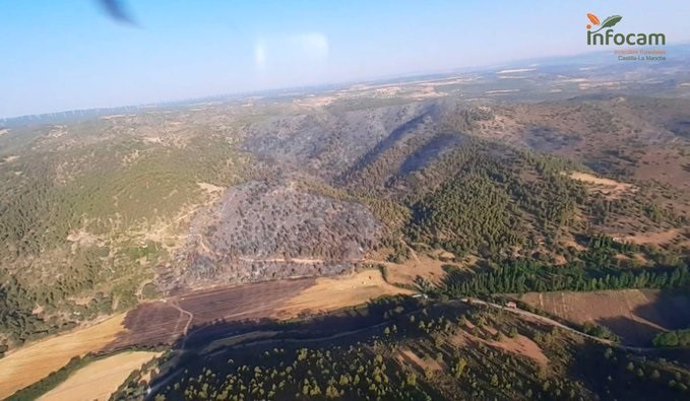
x=87, y=211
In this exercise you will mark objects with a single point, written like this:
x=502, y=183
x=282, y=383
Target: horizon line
x=374, y=78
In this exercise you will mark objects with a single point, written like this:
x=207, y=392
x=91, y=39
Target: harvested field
x=99, y=379
x=253, y=301
x=329, y=294
x=635, y=315
x=164, y=322
x=150, y=325
x=32, y=363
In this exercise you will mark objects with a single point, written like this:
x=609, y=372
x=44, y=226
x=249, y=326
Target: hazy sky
x=67, y=54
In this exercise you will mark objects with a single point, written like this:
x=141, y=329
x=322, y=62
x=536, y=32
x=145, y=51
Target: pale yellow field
x=329, y=294
x=99, y=379
x=605, y=186
x=35, y=361
x=422, y=266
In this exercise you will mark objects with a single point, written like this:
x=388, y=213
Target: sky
x=58, y=55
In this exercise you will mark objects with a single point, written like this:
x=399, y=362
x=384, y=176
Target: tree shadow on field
x=669, y=310
x=632, y=332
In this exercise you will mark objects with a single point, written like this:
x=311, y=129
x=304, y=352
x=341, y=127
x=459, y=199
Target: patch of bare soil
x=424, y=363
x=210, y=188
x=524, y=346
x=520, y=345
x=610, y=188
x=659, y=238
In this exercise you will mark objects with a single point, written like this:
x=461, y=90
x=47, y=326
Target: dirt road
x=551, y=322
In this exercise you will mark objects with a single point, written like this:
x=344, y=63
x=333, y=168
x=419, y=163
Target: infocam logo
x=595, y=36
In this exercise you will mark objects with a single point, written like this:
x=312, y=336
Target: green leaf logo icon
x=609, y=22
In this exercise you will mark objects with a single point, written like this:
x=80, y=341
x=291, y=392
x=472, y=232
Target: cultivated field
x=99, y=379
x=329, y=294
x=36, y=361
x=635, y=315
x=165, y=321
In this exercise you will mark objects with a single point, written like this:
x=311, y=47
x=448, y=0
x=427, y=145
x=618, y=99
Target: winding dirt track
x=551, y=322
x=189, y=314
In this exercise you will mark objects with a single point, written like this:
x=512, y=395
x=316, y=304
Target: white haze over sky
x=62, y=55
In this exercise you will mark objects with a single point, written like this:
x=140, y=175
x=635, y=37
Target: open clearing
x=658, y=238
x=34, y=362
x=607, y=187
x=424, y=266
x=163, y=322
x=520, y=345
x=99, y=379
x=524, y=346
x=329, y=294
x=635, y=315
x=408, y=357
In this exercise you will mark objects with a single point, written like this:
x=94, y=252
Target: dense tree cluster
x=524, y=275
x=488, y=198
x=677, y=338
